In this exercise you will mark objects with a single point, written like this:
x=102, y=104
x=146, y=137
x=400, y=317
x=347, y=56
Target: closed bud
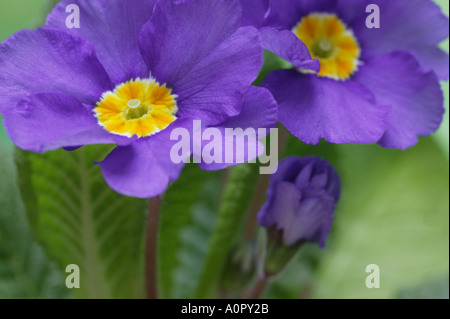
x=301, y=201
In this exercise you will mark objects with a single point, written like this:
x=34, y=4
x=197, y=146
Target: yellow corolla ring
x=139, y=107
x=329, y=40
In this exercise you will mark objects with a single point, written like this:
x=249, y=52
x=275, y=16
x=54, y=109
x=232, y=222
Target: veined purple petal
x=197, y=48
x=254, y=12
x=313, y=108
x=112, y=26
x=259, y=111
x=286, y=45
x=215, y=88
x=142, y=169
x=285, y=14
x=413, y=25
x=161, y=146
x=181, y=34
x=413, y=94
x=134, y=171
x=48, y=60
x=47, y=121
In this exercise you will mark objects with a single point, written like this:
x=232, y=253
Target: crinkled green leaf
x=194, y=244
x=25, y=269
x=82, y=221
x=187, y=218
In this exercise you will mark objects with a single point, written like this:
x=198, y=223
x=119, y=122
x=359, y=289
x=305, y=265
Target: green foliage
x=25, y=269
x=393, y=213
x=236, y=199
x=186, y=218
x=194, y=238
x=80, y=220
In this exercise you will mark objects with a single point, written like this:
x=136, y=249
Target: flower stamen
x=134, y=103
x=140, y=107
x=329, y=40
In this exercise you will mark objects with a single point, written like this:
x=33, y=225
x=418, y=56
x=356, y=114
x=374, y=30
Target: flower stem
x=235, y=201
x=258, y=288
x=154, y=208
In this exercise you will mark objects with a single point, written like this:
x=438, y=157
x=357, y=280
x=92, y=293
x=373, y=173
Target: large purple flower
x=375, y=84
x=134, y=71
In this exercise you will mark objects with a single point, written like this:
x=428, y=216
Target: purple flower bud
x=301, y=200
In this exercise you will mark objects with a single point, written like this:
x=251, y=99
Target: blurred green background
x=394, y=213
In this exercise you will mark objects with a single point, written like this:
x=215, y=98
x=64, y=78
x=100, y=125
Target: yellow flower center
x=140, y=107
x=329, y=40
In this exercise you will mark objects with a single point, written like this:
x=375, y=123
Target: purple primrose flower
x=301, y=200
x=133, y=72
x=374, y=85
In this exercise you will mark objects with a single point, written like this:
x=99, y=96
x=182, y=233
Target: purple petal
x=286, y=14
x=413, y=25
x=196, y=48
x=45, y=60
x=282, y=209
x=181, y=34
x=254, y=12
x=313, y=219
x=112, y=26
x=301, y=216
x=136, y=170
x=435, y=59
x=161, y=146
x=48, y=121
x=133, y=171
x=313, y=108
x=414, y=95
x=259, y=111
x=303, y=173
x=286, y=45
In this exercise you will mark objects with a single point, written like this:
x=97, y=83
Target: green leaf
x=195, y=242
x=232, y=212
x=185, y=217
x=393, y=213
x=25, y=269
x=82, y=221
